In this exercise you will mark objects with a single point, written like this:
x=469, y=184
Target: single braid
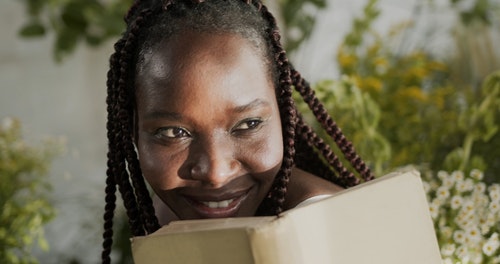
x=330, y=126
x=145, y=221
x=108, y=219
x=110, y=190
x=287, y=113
x=145, y=203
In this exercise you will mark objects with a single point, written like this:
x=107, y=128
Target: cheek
x=267, y=154
x=159, y=168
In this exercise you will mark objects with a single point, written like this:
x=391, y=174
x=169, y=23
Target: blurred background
x=412, y=83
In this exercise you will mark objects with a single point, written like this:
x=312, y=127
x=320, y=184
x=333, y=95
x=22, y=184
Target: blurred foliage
x=23, y=189
x=403, y=109
x=95, y=21
x=480, y=11
x=299, y=18
x=74, y=21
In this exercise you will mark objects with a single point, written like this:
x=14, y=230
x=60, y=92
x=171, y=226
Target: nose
x=214, y=161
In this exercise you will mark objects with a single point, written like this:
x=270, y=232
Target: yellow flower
x=347, y=60
x=413, y=93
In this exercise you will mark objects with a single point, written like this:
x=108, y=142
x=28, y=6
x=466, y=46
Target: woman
x=200, y=106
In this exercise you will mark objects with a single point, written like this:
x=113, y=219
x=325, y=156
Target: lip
x=199, y=204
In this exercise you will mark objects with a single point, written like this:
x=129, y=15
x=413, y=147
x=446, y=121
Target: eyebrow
x=163, y=115
x=253, y=104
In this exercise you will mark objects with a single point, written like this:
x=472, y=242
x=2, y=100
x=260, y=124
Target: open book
x=386, y=220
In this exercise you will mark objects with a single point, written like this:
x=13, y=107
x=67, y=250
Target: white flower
x=462, y=253
x=459, y=237
x=446, y=232
x=494, y=206
x=491, y=219
x=448, y=261
x=456, y=201
x=494, y=192
x=477, y=258
x=434, y=184
x=468, y=206
x=448, y=250
x=466, y=220
x=434, y=209
x=442, y=175
x=476, y=174
x=464, y=185
x=442, y=193
x=490, y=247
x=473, y=234
x=485, y=228
x=457, y=176
x=494, y=237
x=481, y=200
x=480, y=187
x=448, y=183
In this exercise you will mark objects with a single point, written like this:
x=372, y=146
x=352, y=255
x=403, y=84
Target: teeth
x=221, y=204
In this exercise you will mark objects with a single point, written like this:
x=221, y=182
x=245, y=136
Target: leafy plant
x=23, y=189
x=95, y=21
x=74, y=21
x=299, y=18
x=423, y=114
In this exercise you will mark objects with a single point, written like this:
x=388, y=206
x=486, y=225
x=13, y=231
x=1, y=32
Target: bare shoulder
x=304, y=185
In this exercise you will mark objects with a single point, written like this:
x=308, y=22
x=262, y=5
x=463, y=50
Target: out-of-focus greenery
x=74, y=21
x=95, y=21
x=299, y=19
x=23, y=189
x=404, y=109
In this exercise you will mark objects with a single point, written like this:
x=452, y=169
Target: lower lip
x=206, y=212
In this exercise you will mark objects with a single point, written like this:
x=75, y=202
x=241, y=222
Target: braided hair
x=151, y=21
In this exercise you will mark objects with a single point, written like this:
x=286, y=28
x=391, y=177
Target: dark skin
x=208, y=129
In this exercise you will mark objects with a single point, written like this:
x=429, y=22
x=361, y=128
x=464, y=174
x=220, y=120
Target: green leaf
x=32, y=30
x=65, y=42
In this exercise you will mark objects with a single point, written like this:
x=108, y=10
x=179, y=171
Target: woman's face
x=208, y=126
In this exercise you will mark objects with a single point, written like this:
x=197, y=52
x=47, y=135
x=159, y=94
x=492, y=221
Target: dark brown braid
x=287, y=114
x=151, y=21
x=110, y=180
x=330, y=125
x=149, y=219
x=347, y=178
x=119, y=141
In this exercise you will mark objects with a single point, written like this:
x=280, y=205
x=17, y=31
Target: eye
x=247, y=124
x=172, y=132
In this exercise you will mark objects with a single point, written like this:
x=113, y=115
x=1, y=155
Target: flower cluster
x=466, y=215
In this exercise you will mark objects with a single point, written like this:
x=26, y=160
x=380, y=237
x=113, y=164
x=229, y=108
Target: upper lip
x=213, y=194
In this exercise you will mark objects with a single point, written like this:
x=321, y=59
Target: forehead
x=196, y=66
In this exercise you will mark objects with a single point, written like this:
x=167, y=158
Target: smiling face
x=208, y=126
